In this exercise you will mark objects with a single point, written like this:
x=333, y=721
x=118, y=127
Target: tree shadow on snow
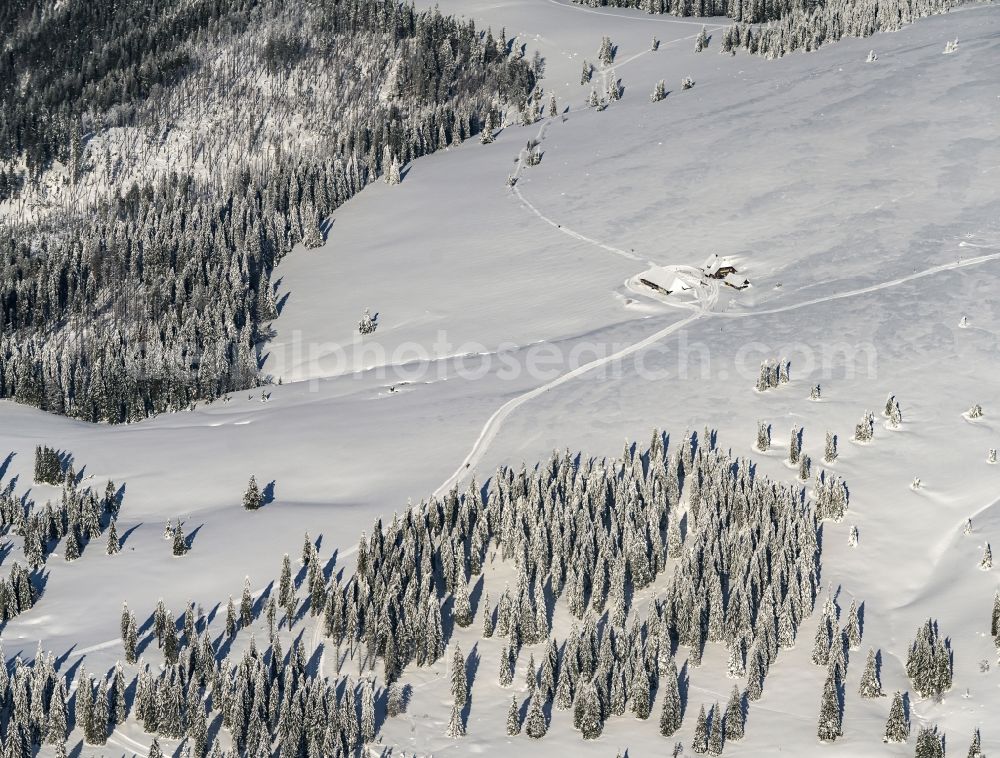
x=267, y=494
x=123, y=538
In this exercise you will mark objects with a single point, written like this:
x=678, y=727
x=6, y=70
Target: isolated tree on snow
x=486, y=136
x=830, y=454
x=588, y=73
x=514, y=717
x=367, y=324
x=986, y=563
x=734, y=720
x=795, y=445
x=897, y=728
x=180, y=546
x=702, y=41
x=114, y=545
x=975, y=749
x=687, y=82
x=763, y=436
x=614, y=89
x=251, y=498
x=154, y=749
x=870, y=686
x=830, y=717
x=805, y=465
x=553, y=105
x=659, y=92
x=606, y=54
x=459, y=679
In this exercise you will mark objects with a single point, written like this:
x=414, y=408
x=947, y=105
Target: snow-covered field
x=861, y=201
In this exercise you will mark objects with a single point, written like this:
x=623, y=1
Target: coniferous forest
x=159, y=160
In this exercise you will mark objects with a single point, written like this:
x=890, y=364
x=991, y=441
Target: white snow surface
x=865, y=198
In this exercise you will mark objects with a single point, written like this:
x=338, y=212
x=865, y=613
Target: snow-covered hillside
x=860, y=200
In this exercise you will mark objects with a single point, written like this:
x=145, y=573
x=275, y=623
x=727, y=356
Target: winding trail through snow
x=706, y=299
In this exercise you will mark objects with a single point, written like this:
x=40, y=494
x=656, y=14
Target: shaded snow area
x=551, y=291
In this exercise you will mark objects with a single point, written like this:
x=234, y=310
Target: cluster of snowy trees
x=772, y=373
x=928, y=663
x=809, y=26
x=204, y=143
x=593, y=532
x=743, y=556
x=48, y=465
x=80, y=516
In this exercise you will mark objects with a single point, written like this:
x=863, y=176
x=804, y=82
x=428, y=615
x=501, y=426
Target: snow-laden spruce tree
x=591, y=717
x=805, y=467
x=587, y=74
x=897, y=727
x=670, y=710
x=865, y=430
x=367, y=324
x=715, y=735
x=986, y=562
x=702, y=40
x=870, y=686
x=830, y=715
x=763, y=436
x=459, y=679
x=659, y=92
x=853, y=628
x=180, y=546
x=655, y=45
x=462, y=611
x=606, y=53
x=535, y=725
x=456, y=728
x=830, y=453
x=687, y=82
x=975, y=747
x=252, y=498
x=114, y=544
x=699, y=744
x=514, y=717
x=734, y=719
x=795, y=445
x=929, y=743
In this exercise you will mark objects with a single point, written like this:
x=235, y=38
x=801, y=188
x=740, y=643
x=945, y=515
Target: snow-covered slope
x=861, y=200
